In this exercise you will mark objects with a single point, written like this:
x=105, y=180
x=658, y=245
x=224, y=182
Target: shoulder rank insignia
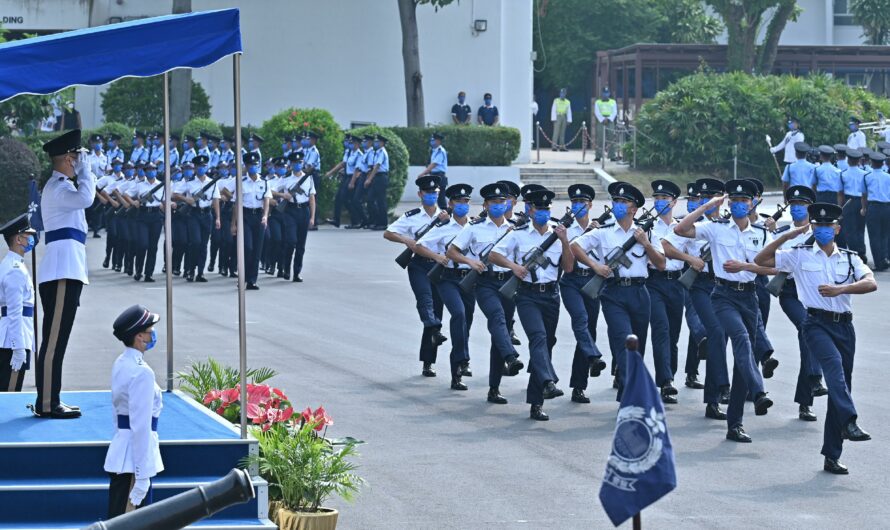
x=415, y=211
x=477, y=220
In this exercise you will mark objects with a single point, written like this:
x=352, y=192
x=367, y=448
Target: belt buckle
x=836, y=317
x=624, y=282
x=737, y=287
x=542, y=288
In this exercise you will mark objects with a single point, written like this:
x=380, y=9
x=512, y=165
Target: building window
x=842, y=15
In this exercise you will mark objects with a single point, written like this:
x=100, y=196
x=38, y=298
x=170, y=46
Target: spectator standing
x=487, y=113
x=71, y=118
x=561, y=116
x=461, y=113
x=605, y=110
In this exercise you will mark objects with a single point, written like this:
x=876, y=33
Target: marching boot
x=428, y=370
x=494, y=396
x=538, y=414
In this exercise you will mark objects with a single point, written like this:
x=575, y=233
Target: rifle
x=405, y=257
x=534, y=259
x=689, y=275
x=184, y=207
x=778, y=215
x=617, y=257
x=468, y=283
x=435, y=274
x=281, y=207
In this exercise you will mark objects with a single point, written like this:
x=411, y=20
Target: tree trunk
x=180, y=81
x=770, y=46
x=411, y=60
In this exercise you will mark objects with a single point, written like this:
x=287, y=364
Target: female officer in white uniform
x=134, y=456
x=16, y=304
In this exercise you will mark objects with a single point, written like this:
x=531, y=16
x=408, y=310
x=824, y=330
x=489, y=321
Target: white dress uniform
x=519, y=242
x=412, y=222
x=98, y=162
x=17, y=303
x=812, y=267
x=478, y=238
x=662, y=230
x=143, y=188
x=438, y=239
x=787, y=144
x=301, y=194
x=62, y=208
x=194, y=188
x=601, y=241
x=728, y=242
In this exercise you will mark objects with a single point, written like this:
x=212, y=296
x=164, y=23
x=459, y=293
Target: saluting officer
x=876, y=211
x=63, y=271
x=297, y=189
x=148, y=223
x=537, y=298
x=134, y=455
x=203, y=197
x=434, y=245
x=470, y=247
x=624, y=298
x=826, y=276
x=438, y=163
x=16, y=304
x=583, y=311
x=255, y=203
x=733, y=245
x=404, y=230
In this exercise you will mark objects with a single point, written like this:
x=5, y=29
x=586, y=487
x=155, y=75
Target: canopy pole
x=168, y=232
x=239, y=243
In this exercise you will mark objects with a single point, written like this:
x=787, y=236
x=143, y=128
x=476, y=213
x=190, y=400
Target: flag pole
x=638, y=524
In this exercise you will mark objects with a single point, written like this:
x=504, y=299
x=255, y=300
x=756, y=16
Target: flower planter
x=324, y=519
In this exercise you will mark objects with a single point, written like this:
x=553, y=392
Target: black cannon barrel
x=186, y=508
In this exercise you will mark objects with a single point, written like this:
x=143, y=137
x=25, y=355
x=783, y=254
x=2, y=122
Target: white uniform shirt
x=62, y=206
x=255, y=191
x=116, y=181
x=194, y=188
x=812, y=267
x=478, y=238
x=687, y=245
x=16, y=330
x=729, y=243
x=438, y=239
x=601, y=241
x=574, y=232
x=301, y=194
x=142, y=188
x=515, y=246
x=412, y=222
x=98, y=163
x=787, y=143
x=104, y=181
x=856, y=140
x=662, y=230
x=134, y=393
x=800, y=239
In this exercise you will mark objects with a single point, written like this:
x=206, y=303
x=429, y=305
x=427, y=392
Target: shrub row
x=466, y=146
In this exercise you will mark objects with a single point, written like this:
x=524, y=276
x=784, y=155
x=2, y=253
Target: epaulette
x=847, y=251
x=415, y=211
x=782, y=229
x=721, y=220
x=607, y=225
x=760, y=226
x=477, y=220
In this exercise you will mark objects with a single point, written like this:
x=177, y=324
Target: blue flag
x=34, y=208
x=641, y=466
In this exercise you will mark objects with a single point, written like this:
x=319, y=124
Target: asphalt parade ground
x=347, y=339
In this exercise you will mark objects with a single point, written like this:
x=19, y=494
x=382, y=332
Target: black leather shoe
x=116, y=269
x=200, y=279
x=233, y=274
x=703, y=349
x=176, y=272
x=72, y=407
x=428, y=370
x=105, y=264
x=465, y=370
x=494, y=396
x=834, y=467
x=297, y=278
x=538, y=414
x=285, y=276
x=762, y=403
x=149, y=279
x=514, y=339
x=693, y=382
x=853, y=433
x=669, y=389
x=550, y=391
x=597, y=365
x=189, y=278
x=668, y=399
x=738, y=434
x=513, y=367
x=806, y=414
x=724, y=396
x=210, y=267
x=137, y=277
x=438, y=338
x=615, y=382
x=60, y=412
x=251, y=287
x=714, y=412
x=819, y=389
x=578, y=396
x=456, y=384
x=769, y=367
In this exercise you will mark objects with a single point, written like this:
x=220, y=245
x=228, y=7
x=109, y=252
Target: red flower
x=211, y=396
x=231, y=395
x=306, y=124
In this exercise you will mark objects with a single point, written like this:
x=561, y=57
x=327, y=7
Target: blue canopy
x=95, y=56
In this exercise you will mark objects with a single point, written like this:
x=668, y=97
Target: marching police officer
x=438, y=165
x=63, y=271
x=376, y=184
x=351, y=155
x=134, y=455
x=255, y=203
x=179, y=189
x=801, y=172
x=826, y=276
x=298, y=191
x=16, y=304
x=875, y=210
x=828, y=176
x=312, y=166
x=148, y=223
x=188, y=149
x=203, y=199
x=140, y=152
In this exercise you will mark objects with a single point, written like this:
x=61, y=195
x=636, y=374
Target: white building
x=823, y=23
x=341, y=55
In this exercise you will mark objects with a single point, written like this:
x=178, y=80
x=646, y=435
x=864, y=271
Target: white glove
x=139, y=491
x=18, y=359
x=769, y=140
x=82, y=167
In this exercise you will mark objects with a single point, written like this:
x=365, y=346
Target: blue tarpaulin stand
x=141, y=48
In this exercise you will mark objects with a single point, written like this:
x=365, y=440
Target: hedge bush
x=196, y=126
x=466, y=145
x=330, y=144
x=398, y=162
x=17, y=165
x=138, y=101
x=694, y=123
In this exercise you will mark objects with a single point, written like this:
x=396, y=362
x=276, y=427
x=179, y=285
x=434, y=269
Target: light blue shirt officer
x=800, y=173
x=877, y=182
x=828, y=177
x=853, y=178
x=381, y=157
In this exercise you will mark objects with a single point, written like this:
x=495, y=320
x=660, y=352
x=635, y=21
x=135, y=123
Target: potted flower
x=304, y=469
x=266, y=405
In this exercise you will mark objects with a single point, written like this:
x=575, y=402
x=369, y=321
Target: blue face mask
x=199, y=143
x=376, y=145
x=188, y=173
x=281, y=171
x=429, y=199
x=97, y=147
x=135, y=142
x=497, y=210
x=579, y=209
x=202, y=170
x=151, y=343
x=792, y=126
x=433, y=144
x=152, y=173
x=364, y=145
x=297, y=167
x=253, y=169
x=619, y=210
x=112, y=144
x=488, y=101
x=223, y=146
x=141, y=172
x=224, y=172
x=461, y=99
x=176, y=177
x=158, y=142
x=304, y=143
x=129, y=173
x=739, y=209
x=117, y=168
x=186, y=146
x=854, y=127
x=798, y=212
x=661, y=206
x=30, y=246
x=461, y=209
x=509, y=204
x=542, y=217
x=824, y=234
x=691, y=205
x=285, y=147
x=250, y=145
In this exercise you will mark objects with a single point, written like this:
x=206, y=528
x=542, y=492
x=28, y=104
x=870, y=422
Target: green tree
x=744, y=21
x=180, y=81
x=24, y=111
x=139, y=102
x=874, y=17
x=687, y=22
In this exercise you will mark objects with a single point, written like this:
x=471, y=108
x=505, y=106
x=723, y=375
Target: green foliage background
x=694, y=124
x=398, y=161
x=196, y=126
x=17, y=164
x=466, y=145
x=138, y=101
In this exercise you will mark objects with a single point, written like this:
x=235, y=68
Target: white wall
x=815, y=27
x=345, y=56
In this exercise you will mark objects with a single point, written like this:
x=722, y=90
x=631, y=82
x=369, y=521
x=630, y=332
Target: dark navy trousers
x=697, y=333
x=668, y=298
x=716, y=372
x=853, y=227
x=296, y=232
x=584, y=313
x=737, y=312
x=357, y=203
x=809, y=371
x=461, y=307
x=147, y=231
x=539, y=315
x=429, y=305
x=834, y=345
x=200, y=226
x=626, y=310
x=496, y=311
x=877, y=219
x=253, y=243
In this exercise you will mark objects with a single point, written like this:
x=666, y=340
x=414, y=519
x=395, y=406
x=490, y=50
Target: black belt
x=456, y=273
x=547, y=287
x=626, y=282
x=27, y=311
x=878, y=202
x=206, y=209
x=254, y=211
x=667, y=275
x=830, y=316
x=298, y=204
x=735, y=286
x=497, y=275
x=421, y=259
x=581, y=272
